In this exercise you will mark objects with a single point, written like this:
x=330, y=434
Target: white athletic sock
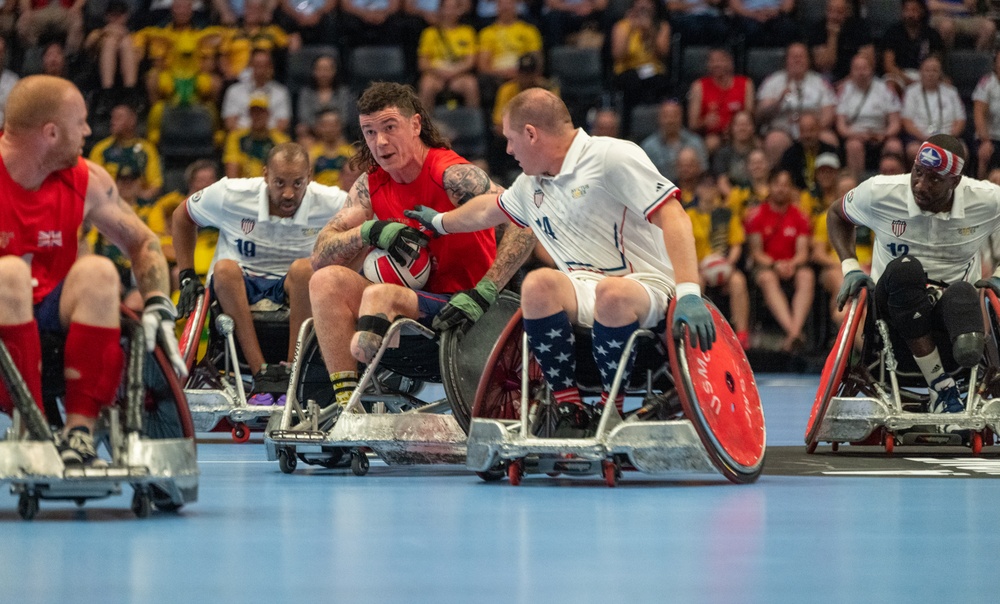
x=930, y=366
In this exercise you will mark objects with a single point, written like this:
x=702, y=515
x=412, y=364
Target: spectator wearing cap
x=664, y=145
x=815, y=202
x=800, y=158
x=236, y=102
x=529, y=75
x=868, y=117
x=125, y=149
x=246, y=149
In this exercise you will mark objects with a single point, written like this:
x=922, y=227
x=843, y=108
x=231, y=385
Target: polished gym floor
x=921, y=528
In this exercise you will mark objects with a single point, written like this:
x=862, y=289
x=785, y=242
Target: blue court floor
x=440, y=535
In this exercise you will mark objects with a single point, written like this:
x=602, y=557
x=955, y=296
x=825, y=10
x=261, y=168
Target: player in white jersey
x=929, y=228
x=614, y=227
x=267, y=230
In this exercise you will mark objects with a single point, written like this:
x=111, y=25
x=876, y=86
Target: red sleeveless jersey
x=43, y=226
x=726, y=102
x=458, y=261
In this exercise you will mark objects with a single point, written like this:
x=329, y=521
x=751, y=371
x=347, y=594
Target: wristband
x=438, y=223
x=684, y=289
x=851, y=264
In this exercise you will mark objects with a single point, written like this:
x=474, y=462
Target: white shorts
x=658, y=288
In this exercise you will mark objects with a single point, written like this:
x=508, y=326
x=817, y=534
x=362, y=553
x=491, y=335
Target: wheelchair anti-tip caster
x=241, y=433
x=27, y=505
x=142, y=505
x=359, y=463
x=612, y=472
x=515, y=471
x=287, y=460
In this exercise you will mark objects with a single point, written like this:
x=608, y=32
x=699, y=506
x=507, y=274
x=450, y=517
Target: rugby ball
x=380, y=268
x=715, y=271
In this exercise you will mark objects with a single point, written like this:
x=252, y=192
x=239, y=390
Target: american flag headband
x=940, y=160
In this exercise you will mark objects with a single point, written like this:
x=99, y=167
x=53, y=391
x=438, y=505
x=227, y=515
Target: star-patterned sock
x=608, y=345
x=552, y=342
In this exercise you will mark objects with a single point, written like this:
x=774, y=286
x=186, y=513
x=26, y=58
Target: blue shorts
x=430, y=305
x=259, y=288
x=47, y=311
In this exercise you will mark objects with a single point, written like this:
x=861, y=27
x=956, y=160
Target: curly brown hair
x=382, y=95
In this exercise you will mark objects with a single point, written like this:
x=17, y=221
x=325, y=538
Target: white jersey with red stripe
x=262, y=244
x=594, y=214
x=947, y=244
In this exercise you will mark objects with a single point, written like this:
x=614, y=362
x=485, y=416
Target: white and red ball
x=715, y=271
x=379, y=267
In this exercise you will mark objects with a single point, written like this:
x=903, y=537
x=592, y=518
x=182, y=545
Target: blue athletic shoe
x=945, y=397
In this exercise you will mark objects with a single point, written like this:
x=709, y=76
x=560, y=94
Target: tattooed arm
x=514, y=249
x=113, y=217
x=340, y=240
x=465, y=181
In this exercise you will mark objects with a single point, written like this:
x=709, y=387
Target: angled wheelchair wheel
x=465, y=355
x=498, y=394
x=831, y=379
x=719, y=395
x=314, y=380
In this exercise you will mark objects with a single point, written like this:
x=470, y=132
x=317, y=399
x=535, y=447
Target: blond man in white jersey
x=929, y=227
x=614, y=227
x=267, y=229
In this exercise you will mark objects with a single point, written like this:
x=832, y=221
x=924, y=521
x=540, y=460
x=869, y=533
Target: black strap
x=375, y=324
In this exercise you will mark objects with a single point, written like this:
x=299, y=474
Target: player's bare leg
x=230, y=289
x=386, y=302
x=299, y=307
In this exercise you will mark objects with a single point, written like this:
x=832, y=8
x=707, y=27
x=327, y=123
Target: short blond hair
x=35, y=101
x=540, y=108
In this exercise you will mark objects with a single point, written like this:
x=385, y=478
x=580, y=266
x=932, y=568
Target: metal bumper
x=853, y=419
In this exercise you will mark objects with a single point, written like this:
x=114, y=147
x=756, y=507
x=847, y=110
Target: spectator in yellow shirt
x=256, y=32
x=502, y=44
x=331, y=154
x=247, y=148
x=125, y=148
x=529, y=75
x=446, y=58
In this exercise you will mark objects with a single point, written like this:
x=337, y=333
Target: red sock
x=619, y=401
x=26, y=349
x=95, y=355
x=569, y=395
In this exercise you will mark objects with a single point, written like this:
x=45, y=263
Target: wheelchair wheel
x=314, y=380
x=463, y=356
x=498, y=395
x=831, y=379
x=719, y=395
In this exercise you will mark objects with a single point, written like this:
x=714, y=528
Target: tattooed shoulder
x=465, y=181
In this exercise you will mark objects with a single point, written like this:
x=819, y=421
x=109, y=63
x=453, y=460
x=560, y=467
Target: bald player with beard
x=47, y=191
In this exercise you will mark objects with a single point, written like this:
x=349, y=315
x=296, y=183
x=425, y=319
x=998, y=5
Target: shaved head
x=540, y=108
x=35, y=101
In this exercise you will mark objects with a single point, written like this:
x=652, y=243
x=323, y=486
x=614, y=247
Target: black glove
x=853, y=282
x=191, y=288
x=466, y=307
x=403, y=243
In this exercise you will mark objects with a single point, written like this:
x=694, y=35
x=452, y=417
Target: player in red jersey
x=47, y=191
x=406, y=162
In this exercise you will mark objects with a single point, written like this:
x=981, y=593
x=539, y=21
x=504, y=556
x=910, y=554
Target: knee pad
x=907, y=298
x=959, y=308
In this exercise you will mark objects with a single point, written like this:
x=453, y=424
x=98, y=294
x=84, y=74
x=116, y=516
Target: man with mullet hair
x=47, y=190
x=929, y=227
x=404, y=162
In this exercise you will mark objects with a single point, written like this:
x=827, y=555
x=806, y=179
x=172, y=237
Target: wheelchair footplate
x=721, y=430
x=397, y=427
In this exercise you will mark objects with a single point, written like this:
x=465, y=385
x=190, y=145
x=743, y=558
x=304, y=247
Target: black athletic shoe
x=272, y=378
x=77, y=449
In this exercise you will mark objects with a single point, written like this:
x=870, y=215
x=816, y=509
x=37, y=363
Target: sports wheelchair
x=148, y=432
x=868, y=396
x=218, y=383
x=384, y=415
x=700, y=412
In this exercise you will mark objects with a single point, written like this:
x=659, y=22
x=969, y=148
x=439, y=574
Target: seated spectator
x=7, y=78
x=931, y=106
x=161, y=11
x=125, y=148
x=57, y=62
x=837, y=39
x=779, y=239
x=331, y=154
x=868, y=119
x=745, y=198
x=314, y=21
x=906, y=44
x=486, y=13
x=563, y=19
x=236, y=103
x=986, y=116
x=786, y=95
x=831, y=275
x=606, y=122
x=640, y=47
x=502, y=44
x=765, y=22
x=446, y=58
x=961, y=18
x=256, y=31
x=247, y=148
x=98, y=243
x=529, y=75
x=369, y=22
x=719, y=232
x=113, y=50
x=40, y=18
x=670, y=137
x=815, y=202
x=715, y=98
x=191, y=80
x=699, y=21
x=690, y=169
x=198, y=175
x=800, y=158
x=730, y=162
x=325, y=91
x=891, y=163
